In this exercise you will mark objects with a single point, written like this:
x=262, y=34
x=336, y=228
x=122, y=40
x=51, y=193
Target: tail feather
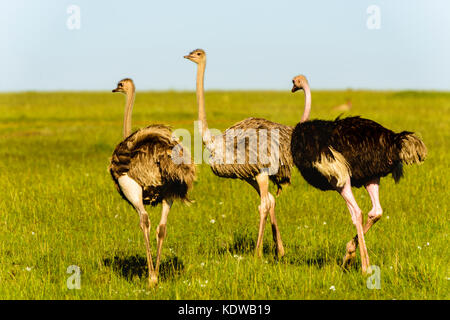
x=413, y=150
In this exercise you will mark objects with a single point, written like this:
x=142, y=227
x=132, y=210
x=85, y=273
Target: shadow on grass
x=244, y=244
x=319, y=258
x=136, y=266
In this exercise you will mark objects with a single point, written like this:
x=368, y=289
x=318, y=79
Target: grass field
x=59, y=206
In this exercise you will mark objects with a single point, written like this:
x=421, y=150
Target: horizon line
x=230, y=90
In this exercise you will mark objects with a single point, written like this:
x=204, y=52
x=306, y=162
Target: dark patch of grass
x=133, y=266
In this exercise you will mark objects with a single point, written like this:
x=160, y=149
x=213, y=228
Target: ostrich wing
x=146, y=156
x=248, y=161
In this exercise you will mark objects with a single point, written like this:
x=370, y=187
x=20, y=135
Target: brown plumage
x=150, y=167
x=347, y=106
x=249, y=163
x=248, y=170
x=146, y=156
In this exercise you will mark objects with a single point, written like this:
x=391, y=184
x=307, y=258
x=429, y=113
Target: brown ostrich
x=144, y=170
x=339, y=154
x=248, y=165
x=345, y=107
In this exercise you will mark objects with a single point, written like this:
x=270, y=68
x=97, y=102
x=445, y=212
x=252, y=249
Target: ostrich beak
x=295, y=88
x=187, y=56
x=115, y=90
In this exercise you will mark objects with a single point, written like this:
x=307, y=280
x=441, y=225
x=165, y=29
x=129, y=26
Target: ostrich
x=254, y=173
x=339, y=154
x=144, y=170
x=344, y=107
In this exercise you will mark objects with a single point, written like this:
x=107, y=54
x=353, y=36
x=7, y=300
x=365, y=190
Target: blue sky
x=250, y=44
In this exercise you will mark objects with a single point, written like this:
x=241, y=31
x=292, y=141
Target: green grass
x=59, y=206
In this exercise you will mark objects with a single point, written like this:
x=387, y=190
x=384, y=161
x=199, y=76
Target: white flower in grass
x=419, y=247
x=28, y=268
x=333, y=288
x=32, y=233
x=138, y=290
x=224, y=216
x=212, y=221
x=187, y=282
x=387, y=217
x=324, y=222
x=221, y=203
x=428, y=243
x=239, y=258
x=202, y=264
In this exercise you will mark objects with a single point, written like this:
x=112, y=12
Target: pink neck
x=307, y=110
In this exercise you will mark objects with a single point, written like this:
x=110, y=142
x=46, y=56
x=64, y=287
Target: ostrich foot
x=152, y=279
x=350, y=255
x=349, y=260
x=279, y=252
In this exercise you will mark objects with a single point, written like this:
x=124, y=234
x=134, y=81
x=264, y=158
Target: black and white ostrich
x=144, y=170
x=339, y=154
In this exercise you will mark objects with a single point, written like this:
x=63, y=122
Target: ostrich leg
x=355, y=211
x=275, y=231
x=263, y=186
x=133, y=192
x=161, y=231
x=145, y=226
x=374, y=215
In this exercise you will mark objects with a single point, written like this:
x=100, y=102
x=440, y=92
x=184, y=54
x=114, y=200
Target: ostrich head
x=197, y=56
x=124, y=86
x=299, y=82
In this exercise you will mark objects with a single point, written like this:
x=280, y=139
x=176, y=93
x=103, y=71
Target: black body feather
x=371, y=150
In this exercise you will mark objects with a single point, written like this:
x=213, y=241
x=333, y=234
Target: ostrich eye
x=198, y=53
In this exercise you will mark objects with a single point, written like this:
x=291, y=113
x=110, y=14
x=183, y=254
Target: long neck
x=127, y=114
x=201, y=99
x=307, y=110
